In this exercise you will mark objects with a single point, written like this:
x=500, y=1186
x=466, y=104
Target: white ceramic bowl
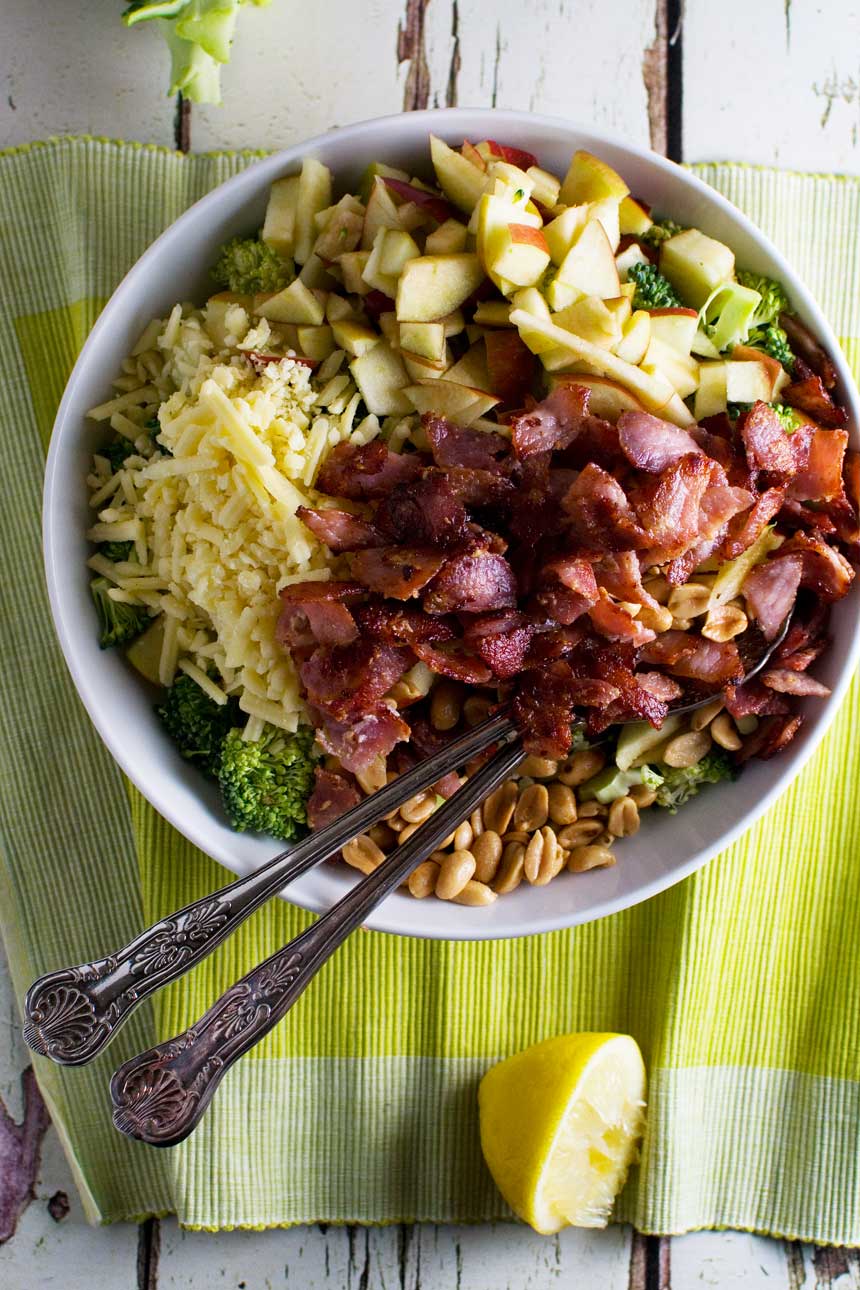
x=668, y=848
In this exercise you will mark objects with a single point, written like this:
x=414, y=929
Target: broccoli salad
x=486, y=435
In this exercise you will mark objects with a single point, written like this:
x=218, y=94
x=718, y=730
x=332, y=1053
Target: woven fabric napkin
x=742, y=984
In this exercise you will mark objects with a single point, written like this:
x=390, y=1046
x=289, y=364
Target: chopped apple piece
x=295, y=304
x=354, y=337
x=337, y=308
x=695, y=264
x=381, y=212
x=411, y=216
x=470, y=152
x=372, y=271
x=472, y=369
x=316, y=275
x=620, y=307
x=425, y=339
x=680, y=370
x=590, y=319
x=432, y=286
x=420, y=368
x=625, y=260
x=628, y=289
x=590, y=265
x=776, y=373
x=530, y=301
x=378, y=169
x=559, y=295
x=315, y=342
x=509, y=177
x=633, y=217
x=675, y=328
x=711, y=395
x=449, y=399
x=447, y=239
x=352, y=266
x=454, y=323
x=494, y=214
x=517, y=253
x=607, y=398
x=390, y=328
x=606, y=211
x=589, y=179
x=314, y=194
x=635, y=337
x=381, y=378
x=546, y=186
x=655, y=392
x=562, y=232
x=493, y=313
x=746, y=382
x=397, y=248
x=458, y=178
x=279, y=228
x=342, y=229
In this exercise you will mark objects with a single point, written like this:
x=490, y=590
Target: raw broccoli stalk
x=682, y=783
x=115, y=551
x=247, y=265
x=118, y=623
x=660, y=231
x=653, y=291
x=266, y=783
x=197, y=724
x=764, y=331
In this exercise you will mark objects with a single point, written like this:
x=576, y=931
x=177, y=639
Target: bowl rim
x=446, y=121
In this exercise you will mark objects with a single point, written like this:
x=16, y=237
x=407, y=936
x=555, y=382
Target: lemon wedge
x=560, y=1127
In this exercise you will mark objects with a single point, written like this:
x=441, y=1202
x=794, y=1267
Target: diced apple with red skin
x=432, y=286
x=607, y=398
x=776, y=373
x=675, y=328
x=434, y=204
x=695, y=264
x=490, y=150
x=519, y=254
x=494, y=214
x=748, y=381
x=447, y=239
x=547, y=186
x=711, y=395
x=606, y=211
x=635, y=337
x=279, y=228
x=510, y=367
x=589, y=180
x=624, y=261
x=458, y=178
x=448, y=399
x=470, y=152
x=589, y=265
x=507, y=179
x=377, y=170
x=381, y=212
x=422, y=369
x=341, y=231
x=315, y=342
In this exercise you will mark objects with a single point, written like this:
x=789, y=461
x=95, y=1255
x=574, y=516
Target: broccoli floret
x=118, y=623
x=196, y=723
x=681, y=783
x=246, y=265
x=742, y=321
x=265, y=783
x=773, y=298
x=660, y=231
x=115, y=551
x=772, y=340
x=653, y=291
x=788, y=416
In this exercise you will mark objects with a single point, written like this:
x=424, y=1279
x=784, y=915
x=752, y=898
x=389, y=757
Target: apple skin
x=470, y=152
x=607, y=398
x=675, y=327
x=433, y=203
x=515, y=156
x=511, y=367
x=526, y=235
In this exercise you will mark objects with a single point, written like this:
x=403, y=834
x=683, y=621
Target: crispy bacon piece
x=339, y=530
x=348, y=680
x=820, y=476
x=544, y=703
x=365, y=471
x=621, y=575
x=616, y=624
x=472, y=584
x=787, y=681
x=455, y=660
x=425, y=512
x=770, y=591
x=669, y=647
x=480, y=489
x=714, y=662
x=569, y=589
x=808, y=349
x=501, y=639
x=613, y=664
x=667, y=507
x=807, y=632
x=809, y=395
x=767, y=445
x=359, y=742
x=332, y=796
x=651, y=444
x=553, y=643
x=773, y=735
x=825, y=570
x=317, y=622
x=396, y=571
x=719, y=505
x=752, y=699
x=658, y=684
x=511, y=366
x=459, y=446
x=551, y=424
x=749, y=525
x=312, y=590
x=395, y=624
x=599, y=514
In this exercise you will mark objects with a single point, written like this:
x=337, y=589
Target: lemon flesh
x=560, y=1127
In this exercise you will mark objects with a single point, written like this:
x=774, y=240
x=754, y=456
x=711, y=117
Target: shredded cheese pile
x=213, y=518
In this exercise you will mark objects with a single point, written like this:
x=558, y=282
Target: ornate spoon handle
x=160, y=1095
x=73, y=1013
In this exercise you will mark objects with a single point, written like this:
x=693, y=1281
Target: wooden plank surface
x=770, y=81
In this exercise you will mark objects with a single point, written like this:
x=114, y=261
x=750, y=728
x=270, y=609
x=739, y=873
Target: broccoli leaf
x=653, y=291
x=115, y=551
x=196, y=723
x=681, y=783
x=265, y=783
x=660, y=231
x=118, y=623
x=247, y=265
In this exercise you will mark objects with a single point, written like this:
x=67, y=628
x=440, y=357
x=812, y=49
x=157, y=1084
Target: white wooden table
x=774, y=81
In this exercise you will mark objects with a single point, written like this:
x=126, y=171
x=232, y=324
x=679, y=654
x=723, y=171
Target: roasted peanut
x=463, y=836
x=689, y=601
x=499, y=807
x=477, y=708
x=643, y=795
x=445, y=705
x=516, y=835
x=403, y=693
x=582, y=859
x=374, y=777
x=487, y=850
x=591, y=810
x=543, y=858
x=623, y=819
x=658, y=619
x=562, y=804
x=532, y=809
x=580, y=767
x=422, y=881
x=419, y=808
x=454, y=872
x=382, y=835
x=539, y=767
x=475, y=893
x=659, y=588
x=687, y=750
x=725, y=623
x=510, y=871
x=704, y=716
x=476, y=819
x=363, y=853
x=578, y=834
x=724, y=733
